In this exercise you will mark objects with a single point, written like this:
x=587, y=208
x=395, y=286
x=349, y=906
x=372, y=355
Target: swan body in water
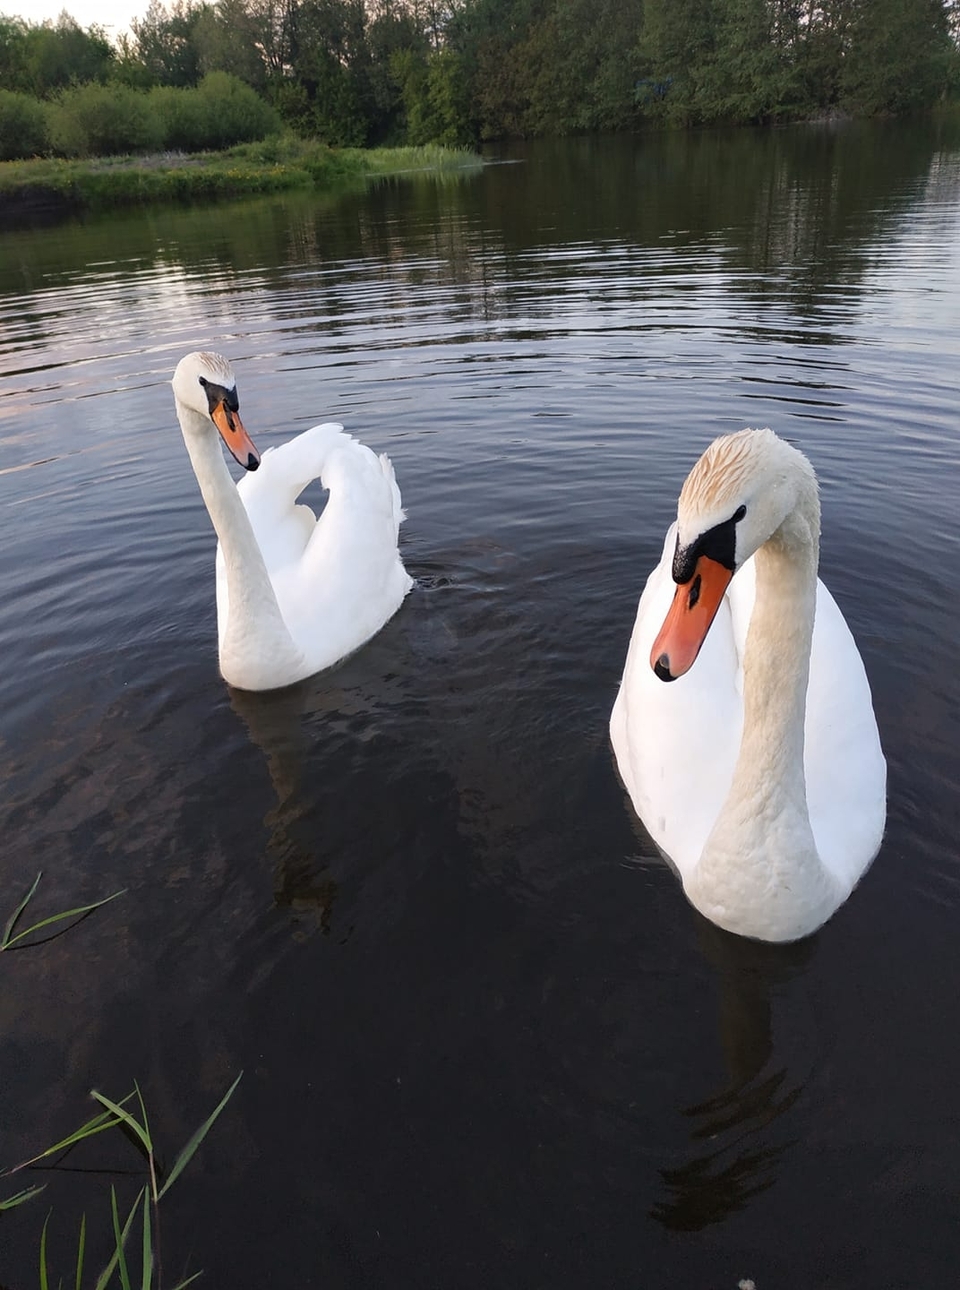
x=758, y=770
x=294, y=593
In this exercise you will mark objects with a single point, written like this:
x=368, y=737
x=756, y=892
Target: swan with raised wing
x=295, y=593
x=758, y=771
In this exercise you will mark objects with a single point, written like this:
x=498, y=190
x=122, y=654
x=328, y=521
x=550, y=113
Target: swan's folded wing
x=348, y=578
x=843, y=762
x=283, y=527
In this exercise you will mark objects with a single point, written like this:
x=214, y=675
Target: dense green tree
x=398, y=49
x=678, y=49
x=272, y=23
x=165, y=42
x=822, y=49
x=62, y=53
x=749, y=77
x=13, y=54
x=899, y=55
x=491, y=37
x=754, y=60
x=41, y=58
x=128, y=67
x=434, y=97
x=228, y=39
x=327, y=63
x=582, y=64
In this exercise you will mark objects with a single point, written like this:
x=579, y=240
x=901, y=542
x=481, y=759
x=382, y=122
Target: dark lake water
x=486, y=1041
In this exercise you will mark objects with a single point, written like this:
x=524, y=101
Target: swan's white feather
x=339, y=578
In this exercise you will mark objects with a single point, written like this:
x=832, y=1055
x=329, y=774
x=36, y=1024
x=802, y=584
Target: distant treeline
x=390, y=72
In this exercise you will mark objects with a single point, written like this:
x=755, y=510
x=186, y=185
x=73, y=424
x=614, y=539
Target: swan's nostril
x=662, y=668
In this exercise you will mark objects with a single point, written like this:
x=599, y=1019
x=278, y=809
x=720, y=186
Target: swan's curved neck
x=762, y=843
x=254, y=622
x=776, y=669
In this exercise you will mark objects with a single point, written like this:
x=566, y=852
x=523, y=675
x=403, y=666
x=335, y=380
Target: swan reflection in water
x=344, y=727
x=275, y=723
x=735, y=1151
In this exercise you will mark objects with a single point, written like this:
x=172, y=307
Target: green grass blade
x=44, y=1284
x=28, y=1193
x=143, y=1108
x=126, y=1118
x=147, y=1281
x=104, y=1278
x=105, y=1120
x=12, y=920
x=81, y=1247
x=10, y=941
x=150, y=1153
x=186, y=1155
x=120, y=1238
x=181, y=1284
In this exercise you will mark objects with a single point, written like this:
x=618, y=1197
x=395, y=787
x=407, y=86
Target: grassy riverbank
x=48, y=188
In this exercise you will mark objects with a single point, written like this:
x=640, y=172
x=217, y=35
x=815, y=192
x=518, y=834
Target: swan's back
x=339, y=578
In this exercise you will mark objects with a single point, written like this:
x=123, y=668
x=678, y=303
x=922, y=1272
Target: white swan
x=294, y=593
x=759, y=771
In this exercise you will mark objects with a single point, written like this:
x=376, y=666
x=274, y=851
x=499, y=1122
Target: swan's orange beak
x=695, y=604
x=234, y=436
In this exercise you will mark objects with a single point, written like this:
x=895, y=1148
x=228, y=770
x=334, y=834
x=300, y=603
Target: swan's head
x=744, y=489
x=205, y=384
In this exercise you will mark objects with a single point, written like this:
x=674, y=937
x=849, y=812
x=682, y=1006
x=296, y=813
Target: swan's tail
x=386, y=466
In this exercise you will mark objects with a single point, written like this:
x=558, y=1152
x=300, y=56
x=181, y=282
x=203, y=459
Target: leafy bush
x=182, y=118
x=237, y=114
x=23, y=126
x=219, y=112
x=102, y=121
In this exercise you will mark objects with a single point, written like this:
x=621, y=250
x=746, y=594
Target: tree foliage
x=359, y=72
x=41, y=58
x=167, y=43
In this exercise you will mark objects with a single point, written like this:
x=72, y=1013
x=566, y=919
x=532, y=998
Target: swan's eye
x=739, y=513
x=718, y=544
x=203, y=381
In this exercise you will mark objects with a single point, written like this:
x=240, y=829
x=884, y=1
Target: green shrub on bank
x=221, y=111
x=103, y=121
x=95, y=120
x=275, y=164
x=23, y=126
